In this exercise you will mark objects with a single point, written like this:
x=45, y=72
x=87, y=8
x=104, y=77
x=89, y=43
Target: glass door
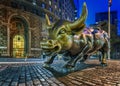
x=18, y=46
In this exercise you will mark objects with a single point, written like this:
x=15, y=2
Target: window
x=59, y=10
x=23, y=7
x=60, y=5
x=55, y=7
x=55, y=12
x=35, y=11
x=43, y=14
x=50, y=9
x=118, y=29
x=75, y=18
x=55, y=0
x=30, y=1
x=50, y=2
x=34, y=2
x=51, y=18
x=43, y=5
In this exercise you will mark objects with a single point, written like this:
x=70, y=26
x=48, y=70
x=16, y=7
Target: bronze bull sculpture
x=74, y=40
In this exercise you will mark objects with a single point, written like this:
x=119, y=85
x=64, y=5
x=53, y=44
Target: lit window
x=75, y=18
x=50, y=2
x=55, y=6
x=18, y=46
x=34, y=2
x=75, y=10
x=59, y=10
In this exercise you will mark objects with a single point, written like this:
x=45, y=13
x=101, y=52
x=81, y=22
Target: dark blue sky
x=95, y=6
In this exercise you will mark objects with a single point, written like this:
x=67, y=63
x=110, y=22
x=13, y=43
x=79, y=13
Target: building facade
x=22, y=24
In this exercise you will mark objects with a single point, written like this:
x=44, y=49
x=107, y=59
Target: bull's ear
x=78, y=24
x=47, y=20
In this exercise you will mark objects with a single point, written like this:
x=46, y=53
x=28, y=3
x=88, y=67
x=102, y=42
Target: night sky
x=95, y=6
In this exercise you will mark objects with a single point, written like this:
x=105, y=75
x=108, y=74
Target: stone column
x=29, y=41
x=8, y=40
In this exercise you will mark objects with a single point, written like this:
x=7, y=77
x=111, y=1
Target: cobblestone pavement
x=33, y=74
x=94, y=76
x=27, y=75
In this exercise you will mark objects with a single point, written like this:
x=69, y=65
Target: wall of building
x=31, y=16
x=34, y=25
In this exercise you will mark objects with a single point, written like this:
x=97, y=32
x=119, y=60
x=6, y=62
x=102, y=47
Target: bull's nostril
x=50, y=41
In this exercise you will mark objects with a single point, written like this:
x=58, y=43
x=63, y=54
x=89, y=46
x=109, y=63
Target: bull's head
x=60, y=33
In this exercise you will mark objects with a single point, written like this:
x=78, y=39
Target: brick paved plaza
x=33, y=74
x=95, y=75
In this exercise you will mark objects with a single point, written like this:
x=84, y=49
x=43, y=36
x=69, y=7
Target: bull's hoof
x=68, y=70
x=46, y=65
x=103, y=64
x=69, y=66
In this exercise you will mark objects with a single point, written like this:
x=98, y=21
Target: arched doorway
x=18, y=46
x=19, y=37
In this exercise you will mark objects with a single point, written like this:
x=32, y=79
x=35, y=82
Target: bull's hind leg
x=104, y=57
x=104, y=51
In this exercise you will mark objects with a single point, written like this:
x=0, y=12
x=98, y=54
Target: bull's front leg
x=80, y=56
x=84, y=58
x=72, y=62
x=49, y=61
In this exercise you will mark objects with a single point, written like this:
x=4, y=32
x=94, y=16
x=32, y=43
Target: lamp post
x=109, y=5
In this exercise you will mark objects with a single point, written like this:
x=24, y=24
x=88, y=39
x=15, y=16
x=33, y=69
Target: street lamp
x=109, y=5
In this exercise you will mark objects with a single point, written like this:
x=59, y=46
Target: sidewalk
x=20, y=60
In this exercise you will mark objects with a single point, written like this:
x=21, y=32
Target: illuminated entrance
x=18, y=46
x=19, y=37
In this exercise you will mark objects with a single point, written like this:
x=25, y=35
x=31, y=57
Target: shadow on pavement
x=59, y=71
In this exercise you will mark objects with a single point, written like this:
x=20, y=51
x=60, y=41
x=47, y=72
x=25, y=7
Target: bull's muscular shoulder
x=79, y=38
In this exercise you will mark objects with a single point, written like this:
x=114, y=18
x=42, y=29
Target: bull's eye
x=62, y=32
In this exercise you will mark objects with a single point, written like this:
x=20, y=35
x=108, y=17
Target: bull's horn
x=47, y=20
x=77, y=24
